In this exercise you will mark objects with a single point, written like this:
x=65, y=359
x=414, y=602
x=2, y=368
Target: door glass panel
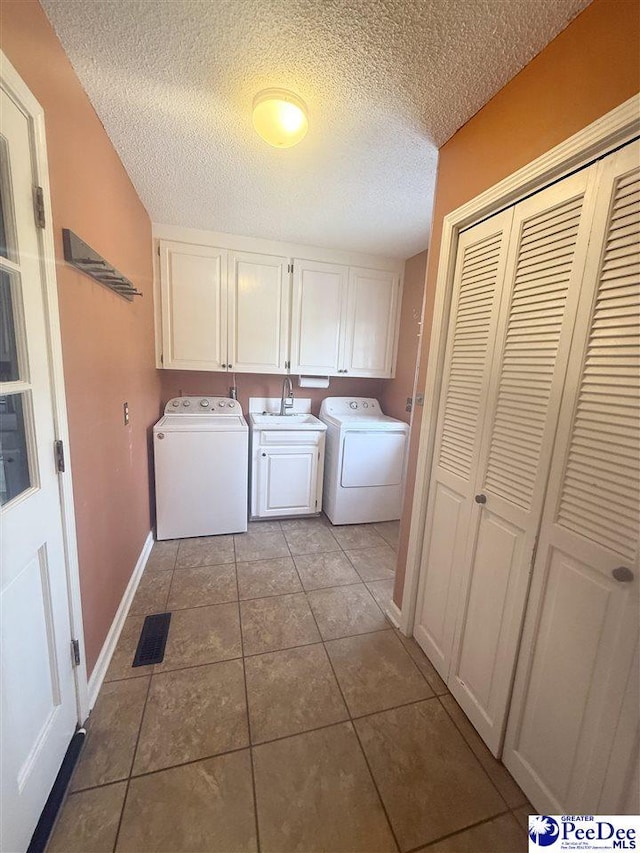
x=9, y=368
x=8, y=248
x=14, y=458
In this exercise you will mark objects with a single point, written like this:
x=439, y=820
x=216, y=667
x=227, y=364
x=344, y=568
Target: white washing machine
x=365, y=461
x=201, y=453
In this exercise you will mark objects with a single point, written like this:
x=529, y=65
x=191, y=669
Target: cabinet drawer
x=289, y=437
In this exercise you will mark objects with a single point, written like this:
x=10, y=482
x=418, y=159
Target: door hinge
x=58, y=447
x=75, y=652
x=161, y=358
x=38, y=207
x=289, y=267
x=158, y=249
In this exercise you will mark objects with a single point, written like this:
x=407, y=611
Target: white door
x=193, y=283
x=573, y=725
x=479, y=276
x=543, y=278
x=373, y=458
x=318, y=317
x=372, y=319
x=39, y=712
x=288, y=480
x=258, y=313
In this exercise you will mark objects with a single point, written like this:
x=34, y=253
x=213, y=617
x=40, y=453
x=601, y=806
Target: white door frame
x=601, y=137
x=17, y=90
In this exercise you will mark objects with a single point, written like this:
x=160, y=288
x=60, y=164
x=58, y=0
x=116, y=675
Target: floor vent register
x=153, y=639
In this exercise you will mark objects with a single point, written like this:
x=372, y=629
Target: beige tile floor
x=287, y=715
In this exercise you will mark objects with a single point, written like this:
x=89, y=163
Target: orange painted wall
x=191, y=382
x=586, y=71
x=396, y=391
x=107, y=342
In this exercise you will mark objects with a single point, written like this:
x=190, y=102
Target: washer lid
x=201, y=423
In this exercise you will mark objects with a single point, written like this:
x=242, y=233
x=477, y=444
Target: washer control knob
x=175, y=403
x=353, y=405
x=221, y=403
x=365, y=405
x=204, y=403
x=231, y=404
x=186, y=402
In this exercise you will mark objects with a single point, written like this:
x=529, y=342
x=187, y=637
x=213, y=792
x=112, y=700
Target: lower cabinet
x=286, y=478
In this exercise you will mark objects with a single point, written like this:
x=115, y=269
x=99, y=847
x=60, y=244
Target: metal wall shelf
x=85, y=259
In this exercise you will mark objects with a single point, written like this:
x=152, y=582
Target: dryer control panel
x=339, y=406
x=202, y=406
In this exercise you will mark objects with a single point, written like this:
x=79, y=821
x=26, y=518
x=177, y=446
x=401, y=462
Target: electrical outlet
x=125, y=412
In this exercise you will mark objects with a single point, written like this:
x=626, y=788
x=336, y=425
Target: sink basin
x=272, y=420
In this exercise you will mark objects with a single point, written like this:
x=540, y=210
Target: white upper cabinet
x=344, y=320
x=194, y=306
x=257, y=312
x=258, y=302
x=319, y=310
x=370, y=329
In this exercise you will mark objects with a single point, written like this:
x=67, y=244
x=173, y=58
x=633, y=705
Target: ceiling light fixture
x=280, y=117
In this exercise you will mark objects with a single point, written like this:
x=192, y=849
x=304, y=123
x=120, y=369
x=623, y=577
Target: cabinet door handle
x=623, y=574
x=480, y=499
x=264, y=454
x=224, y=365
x=229, y=366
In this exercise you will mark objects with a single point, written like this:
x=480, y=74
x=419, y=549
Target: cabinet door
x=258, y=313
x=478, y=281
x=571, y=736
x=288, y=481
x=371, y=324
x=543, y=278
x=194, y=306
x=318, y=315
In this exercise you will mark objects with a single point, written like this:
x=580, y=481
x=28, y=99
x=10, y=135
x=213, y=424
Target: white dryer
x=201, y=454
x=365, y=461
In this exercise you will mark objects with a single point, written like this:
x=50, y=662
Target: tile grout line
x=135, y=749
x=466, y=742
x=353, y=728
x=246, y=700
x=133, y=758
x=348, y=719
x=440, y=838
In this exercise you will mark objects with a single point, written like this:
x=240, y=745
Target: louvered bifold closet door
x=546, y=259
x=569, y=740
x=478, y=281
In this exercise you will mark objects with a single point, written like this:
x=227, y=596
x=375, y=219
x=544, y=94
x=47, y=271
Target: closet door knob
x=224, y=365
x=480, y=499
x=623, y=574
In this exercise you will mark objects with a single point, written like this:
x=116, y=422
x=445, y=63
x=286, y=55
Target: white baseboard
x=108, y=648
x=393, y=614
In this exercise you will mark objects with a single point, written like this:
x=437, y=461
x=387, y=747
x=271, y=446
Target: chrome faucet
x=286, y=401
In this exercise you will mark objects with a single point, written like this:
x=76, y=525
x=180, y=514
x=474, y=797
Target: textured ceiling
x=386, y=83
